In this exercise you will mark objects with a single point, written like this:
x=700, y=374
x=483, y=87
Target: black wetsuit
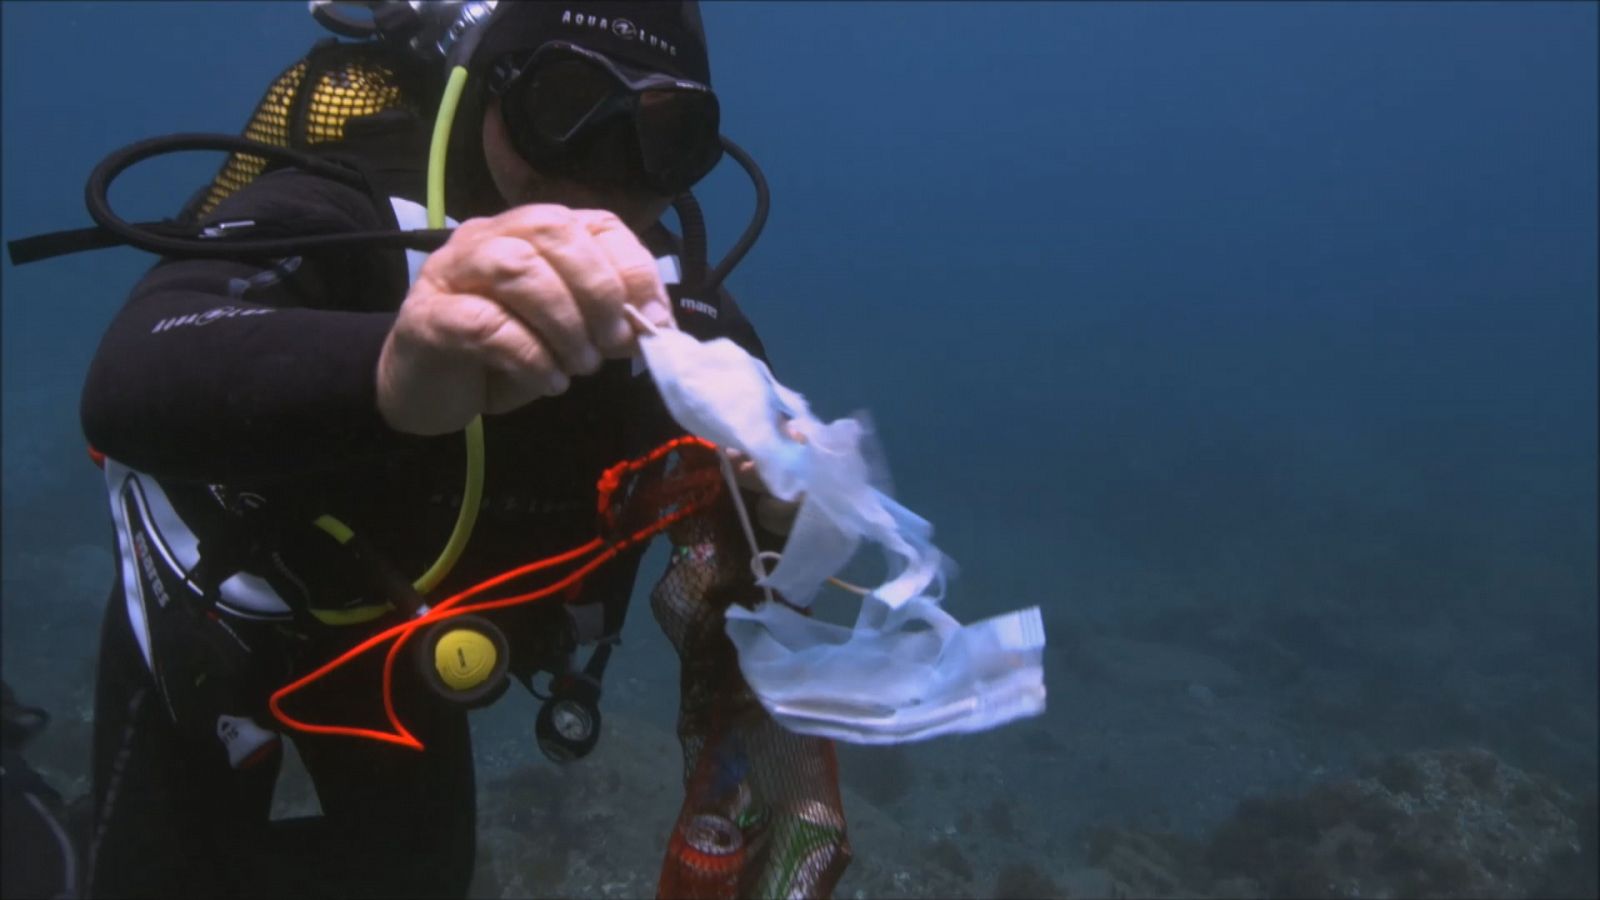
x=223, y=380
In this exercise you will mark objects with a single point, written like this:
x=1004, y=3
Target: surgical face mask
x=906, y=670
x=899, y=675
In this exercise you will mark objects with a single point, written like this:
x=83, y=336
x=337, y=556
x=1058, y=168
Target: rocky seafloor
x=1188, y=750
x=1187, y=761
x=1171, y=782
x=1165, y=767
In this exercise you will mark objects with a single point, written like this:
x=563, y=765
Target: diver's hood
x=659, y=36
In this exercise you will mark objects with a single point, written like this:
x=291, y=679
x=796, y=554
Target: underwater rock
x=1023, y=880
x=1449, y=823
x=947, y=853
x=1147, y=864
x=1427, y=824
x=891, y=857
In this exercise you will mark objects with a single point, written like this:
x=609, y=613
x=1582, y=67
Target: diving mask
x=572, y=111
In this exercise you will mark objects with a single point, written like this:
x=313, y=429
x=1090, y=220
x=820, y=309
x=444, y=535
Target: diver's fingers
x=553, y=307
x=745, y=473
x=636, y=267
x=515, y=274
x=586, y=267
x=542, y=262
x=566, y=239
x=518, y=366
x=739, y=460
x=438, y=361
x=601, y=262
x=511, y=384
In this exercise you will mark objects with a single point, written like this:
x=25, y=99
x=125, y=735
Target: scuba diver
x=279, y=408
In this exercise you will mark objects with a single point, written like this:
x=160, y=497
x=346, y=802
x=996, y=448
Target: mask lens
x=561, y=95
x=678, y=140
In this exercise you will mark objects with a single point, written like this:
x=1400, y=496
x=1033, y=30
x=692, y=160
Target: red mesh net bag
x=761, y=814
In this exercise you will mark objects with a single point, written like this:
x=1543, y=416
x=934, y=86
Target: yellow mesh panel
x=353, y=87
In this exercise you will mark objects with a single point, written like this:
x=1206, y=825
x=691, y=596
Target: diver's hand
x=511, y=309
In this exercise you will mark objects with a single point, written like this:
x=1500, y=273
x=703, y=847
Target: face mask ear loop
x=757, y=556
x=843, y=585
x=645, y=326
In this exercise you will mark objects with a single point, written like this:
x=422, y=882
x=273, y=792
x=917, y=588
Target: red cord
x=610, y=481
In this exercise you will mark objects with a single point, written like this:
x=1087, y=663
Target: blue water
x=1241, y=338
